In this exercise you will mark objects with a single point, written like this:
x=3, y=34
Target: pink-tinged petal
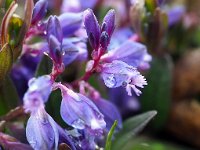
x=139, y=81
x=119, y=73
x=92, y=28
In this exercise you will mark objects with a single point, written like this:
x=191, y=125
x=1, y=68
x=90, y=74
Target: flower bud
x=92, y=28
x=109, y=22
x=39, y=11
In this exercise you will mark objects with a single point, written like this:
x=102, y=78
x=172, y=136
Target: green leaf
x=14, y=28
x=110, y=135
x=148, y=143
x=9, y=98
x=8, y=3
x=131, y=127
x=157, y=94
x=44, y=67
x=6, y=60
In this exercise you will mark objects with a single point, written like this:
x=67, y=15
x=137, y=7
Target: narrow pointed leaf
x=131, y=127
x=110, y=135
x=157, y=95
x=9, y=98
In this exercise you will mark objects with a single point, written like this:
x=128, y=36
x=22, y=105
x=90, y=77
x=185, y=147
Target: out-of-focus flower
x=175, y=14
x=122, y=10
x=126, y=104
x=109, y=111
x=8, y=142
x=160, y=2
x=70, y=23
x=23, y=71
x=77, y=5
x=120, y=35
x=119, y=73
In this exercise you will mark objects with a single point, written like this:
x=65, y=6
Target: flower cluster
x=117, y=66
x=63, y=41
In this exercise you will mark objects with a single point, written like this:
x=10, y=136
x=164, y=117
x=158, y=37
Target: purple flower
x=126, y=104
x=74, y=48
x=39, y=11
x=70, y=23
x=108, y=24
x=54, y=28
x=37, y=93
x=77, y=5
x=132, y=53
x=92, y=28
x=120, y=36
x=41, y=131
x=99, y=37
x=54, y=38
x=109, y=111
x=175, y=14
x=160, y=2
x=68, y=49
x=80, y=112
x=119, y=73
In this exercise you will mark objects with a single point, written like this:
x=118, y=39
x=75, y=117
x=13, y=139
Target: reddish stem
x=91, y=71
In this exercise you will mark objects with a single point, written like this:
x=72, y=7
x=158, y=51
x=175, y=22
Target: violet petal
x=92, y=28
x=39, y=11
x=109, y=21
